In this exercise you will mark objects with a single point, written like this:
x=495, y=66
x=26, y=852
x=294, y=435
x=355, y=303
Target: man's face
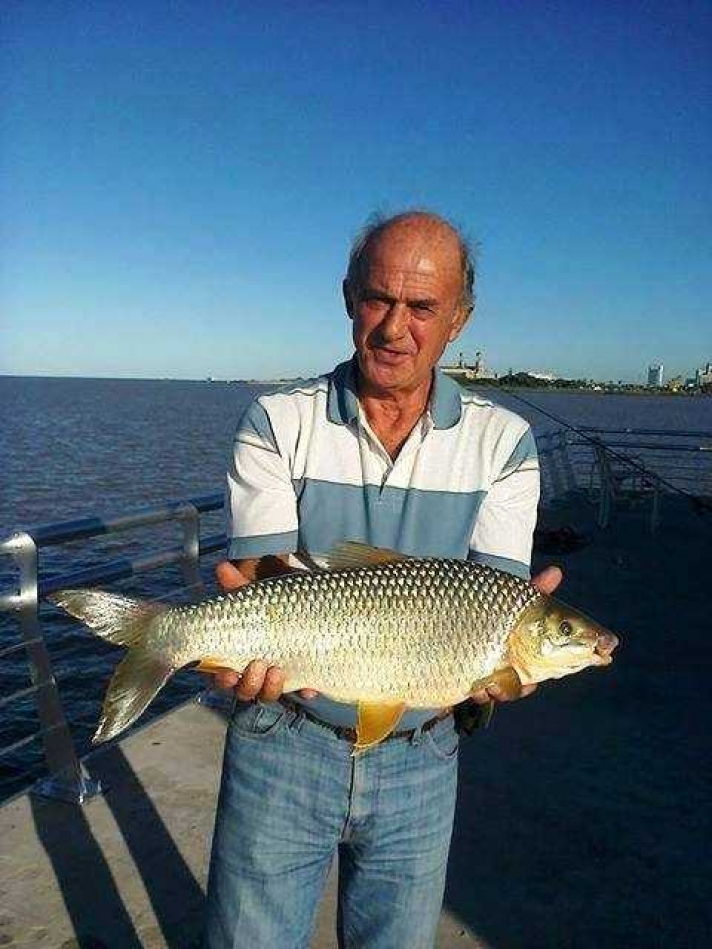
x=407, y=305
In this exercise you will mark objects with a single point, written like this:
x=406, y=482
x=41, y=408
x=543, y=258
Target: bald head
x=423, y=232
x=404, y=294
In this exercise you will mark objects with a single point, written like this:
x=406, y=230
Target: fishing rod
x=697, y=502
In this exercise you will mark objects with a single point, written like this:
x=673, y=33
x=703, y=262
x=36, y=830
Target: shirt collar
x=342, y=404
x=445, y=401
x=445, y=405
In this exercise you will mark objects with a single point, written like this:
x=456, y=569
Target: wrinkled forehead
x=422, y=248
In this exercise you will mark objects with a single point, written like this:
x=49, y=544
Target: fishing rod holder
x=66, y=777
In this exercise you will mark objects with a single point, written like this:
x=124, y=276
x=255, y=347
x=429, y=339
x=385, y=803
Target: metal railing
x=626, y=465
x=582, y=459
x=66, y=778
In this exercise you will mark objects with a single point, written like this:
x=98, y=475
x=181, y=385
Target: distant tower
x=478, y=364
x=461, y=361
x=703, y=377
x=655, y=376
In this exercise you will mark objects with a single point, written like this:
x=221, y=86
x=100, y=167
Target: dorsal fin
x=349, y=554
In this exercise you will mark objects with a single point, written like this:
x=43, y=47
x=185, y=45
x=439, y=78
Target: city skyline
x=703, y=370
x=180, y=187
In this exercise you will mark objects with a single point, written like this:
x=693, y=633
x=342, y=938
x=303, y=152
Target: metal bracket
x=75, y=789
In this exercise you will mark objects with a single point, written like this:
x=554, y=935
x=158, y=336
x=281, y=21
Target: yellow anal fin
x=507, y=680
x=375, y=722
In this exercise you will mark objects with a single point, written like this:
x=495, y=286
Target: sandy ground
x=584, y=811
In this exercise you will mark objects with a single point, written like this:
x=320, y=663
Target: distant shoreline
x=465, y=383
x=229, y=382
x=586, y=390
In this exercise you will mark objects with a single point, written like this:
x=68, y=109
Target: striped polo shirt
x=308, y=472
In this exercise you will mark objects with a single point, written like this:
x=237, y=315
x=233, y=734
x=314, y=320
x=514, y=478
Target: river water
x=73, y=447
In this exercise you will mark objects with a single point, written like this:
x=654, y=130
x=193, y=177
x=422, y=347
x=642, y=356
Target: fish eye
x=566, y=628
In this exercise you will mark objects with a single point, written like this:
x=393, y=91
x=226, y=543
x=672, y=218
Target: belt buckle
x=345, y=732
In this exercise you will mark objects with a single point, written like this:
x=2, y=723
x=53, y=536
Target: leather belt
x=348, y=733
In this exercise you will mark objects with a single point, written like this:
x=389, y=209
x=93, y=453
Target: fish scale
x=395, y=633
x=419, y=631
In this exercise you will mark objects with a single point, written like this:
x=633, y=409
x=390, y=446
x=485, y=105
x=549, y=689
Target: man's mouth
x=390, y=355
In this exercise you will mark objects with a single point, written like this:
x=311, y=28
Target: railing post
x=558, y=486
x=66, y=779
x=605, y=485
x=190, y=562
x=542, y=451
x=563, y=447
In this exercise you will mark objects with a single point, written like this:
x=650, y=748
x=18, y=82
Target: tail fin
x=142, y=673
x=118, y=619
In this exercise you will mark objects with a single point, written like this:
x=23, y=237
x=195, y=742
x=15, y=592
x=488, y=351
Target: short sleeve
x=504, y=528
x=261, y=504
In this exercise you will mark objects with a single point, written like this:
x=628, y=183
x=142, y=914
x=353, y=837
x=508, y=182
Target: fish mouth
x=605, y=644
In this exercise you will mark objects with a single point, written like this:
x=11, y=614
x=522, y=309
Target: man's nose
x=395, y=322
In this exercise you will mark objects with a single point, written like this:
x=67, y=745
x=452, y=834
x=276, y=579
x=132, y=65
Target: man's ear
x=348, y=303
x=461, y=318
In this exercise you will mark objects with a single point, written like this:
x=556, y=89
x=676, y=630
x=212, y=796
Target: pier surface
x=583, y=816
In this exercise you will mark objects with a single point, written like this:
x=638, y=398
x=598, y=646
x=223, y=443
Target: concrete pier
x=583, y=817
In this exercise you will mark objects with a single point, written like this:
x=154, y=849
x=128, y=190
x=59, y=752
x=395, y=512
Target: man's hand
x=546, y=582
x=257, y=680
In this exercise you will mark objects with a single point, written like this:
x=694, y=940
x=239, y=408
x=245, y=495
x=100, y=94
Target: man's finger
x=273, y=684
x=252, y=680
x=499, y=694
x=229, y=577
x=480, y=697
x=227, y=679
x=548, y=580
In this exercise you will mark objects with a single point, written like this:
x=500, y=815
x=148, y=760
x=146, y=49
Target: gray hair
x=378, y=223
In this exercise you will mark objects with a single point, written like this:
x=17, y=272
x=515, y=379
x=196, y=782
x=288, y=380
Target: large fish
x=379, y=629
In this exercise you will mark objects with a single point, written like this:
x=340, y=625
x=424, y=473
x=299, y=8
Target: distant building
x=544, y=376
x=703, y=377
x=476, y=370
x=655, y=377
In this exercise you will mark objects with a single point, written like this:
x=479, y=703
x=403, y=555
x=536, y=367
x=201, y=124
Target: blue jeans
x=291, y=795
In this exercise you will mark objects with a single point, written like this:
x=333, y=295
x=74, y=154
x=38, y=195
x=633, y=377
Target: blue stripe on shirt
x=506, y=564
x=418, y=522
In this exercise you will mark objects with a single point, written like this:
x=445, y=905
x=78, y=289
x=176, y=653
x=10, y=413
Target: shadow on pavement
x=90, y=894
x=93, y=901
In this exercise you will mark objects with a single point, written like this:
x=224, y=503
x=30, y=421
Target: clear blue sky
x=180, y=182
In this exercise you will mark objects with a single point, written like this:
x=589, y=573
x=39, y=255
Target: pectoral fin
x=375, y=722
x=212, y=666
x=507, y=680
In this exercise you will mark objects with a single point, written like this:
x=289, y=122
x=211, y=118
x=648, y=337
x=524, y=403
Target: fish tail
x=142, y=673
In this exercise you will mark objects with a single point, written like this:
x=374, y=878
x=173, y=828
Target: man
x=387, y=451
